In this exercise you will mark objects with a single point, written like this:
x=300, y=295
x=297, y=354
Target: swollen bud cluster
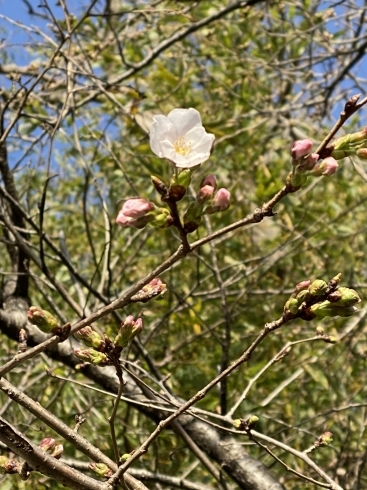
x=209, y=200
x=48, y=444
x=349, y=145
x=102, y=351
x=307, y=164
x=128, y=330
x=139, y=212
x=319, y=299
x=246, y=425
x=324, y=440
x=9, y=466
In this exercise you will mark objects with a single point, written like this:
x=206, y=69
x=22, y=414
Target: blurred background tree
x=80, y=84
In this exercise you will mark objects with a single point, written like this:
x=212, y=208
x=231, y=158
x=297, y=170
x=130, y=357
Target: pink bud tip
x=301, y=148
x=133, y=213
x=222, y=199
x=209, y=180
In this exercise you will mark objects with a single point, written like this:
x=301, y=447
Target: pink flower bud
x=134, y=213
x=136, y=208
x=301, y=148
x=205, y=194
x=221, y=201
x=301, y=286
x=47, y=444
x=327, y=167
x=308, y=163
x=209, y=180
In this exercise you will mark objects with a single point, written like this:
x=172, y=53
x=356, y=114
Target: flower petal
x=184, y=120
x=191, y=161
x=202, y=141
x=160, y=130
x=168, y=150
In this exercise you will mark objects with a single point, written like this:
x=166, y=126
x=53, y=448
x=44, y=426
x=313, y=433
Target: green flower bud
x=317, y=288
x=292, y=306
x=162, y=218
x=90, y=337
x=101, y=469
x=344, y=311
x=238, y=424
x=321, y=310
x=92, y=356
x=302, y=296
x=125, y=457
x=252, y=421
x=344, y=297
x=325, y=308
x=43, y=319
x=340, y=154
x=350, y=144
x=297, y=180
x=184, y=177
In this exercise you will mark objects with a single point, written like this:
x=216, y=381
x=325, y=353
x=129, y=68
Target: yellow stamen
x=182, y=147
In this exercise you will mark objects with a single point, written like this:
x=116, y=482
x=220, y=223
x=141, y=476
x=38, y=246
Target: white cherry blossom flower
x=181, y=138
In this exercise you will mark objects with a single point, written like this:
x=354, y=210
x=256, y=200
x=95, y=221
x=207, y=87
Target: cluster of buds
x=305, y=163
x=129, y=329
x=349, y=145
x=324, y=440
x=209, y=200
x=46, y=322
x=180, y=138
x=102, y=351
x=9, y=466
x=246, y=425
x=319, y=299
x=48, y=444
